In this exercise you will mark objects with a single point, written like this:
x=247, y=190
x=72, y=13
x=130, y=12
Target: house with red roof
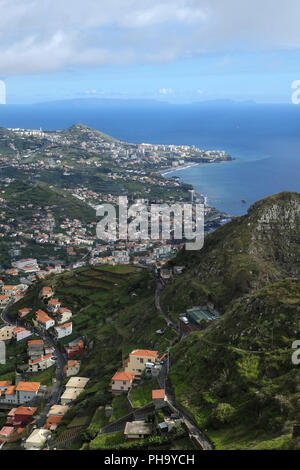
x=27, y=391
x=121, y=382
x=137, y=360
x=64, y=315
x=23, y=312
x=72, y=368
x=47, y=292
x=19, y=394
x=159, y=398
x=3, y=300
x=53, y=305
x=52, y=422
x=74, y=348
x=43, y=320
x=63, y=330
x=40, y=363
x=20, y=333
x=21, y=416
x=35, y=348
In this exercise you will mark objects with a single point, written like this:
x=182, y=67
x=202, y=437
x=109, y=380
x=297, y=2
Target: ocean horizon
x=264, y=140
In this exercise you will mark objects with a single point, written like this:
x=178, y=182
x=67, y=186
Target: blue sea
x=263, y=139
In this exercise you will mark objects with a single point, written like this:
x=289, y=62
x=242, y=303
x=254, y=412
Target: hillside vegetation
x=242, y=256
x=237, y=376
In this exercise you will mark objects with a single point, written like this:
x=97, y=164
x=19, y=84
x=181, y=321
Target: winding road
x=193, y=430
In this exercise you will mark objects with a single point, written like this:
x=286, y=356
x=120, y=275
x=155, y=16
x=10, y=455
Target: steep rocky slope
x=242, y=256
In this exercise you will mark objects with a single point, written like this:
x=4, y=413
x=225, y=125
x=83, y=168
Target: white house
x=37, y=439
x=40, y=363
x=27, y=391
x=19, y=394
x=44, y=321
x=63, y=330
x=64, y=315
x=20, y=333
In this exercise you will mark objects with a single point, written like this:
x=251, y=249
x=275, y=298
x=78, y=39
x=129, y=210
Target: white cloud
x=200, y=92
x=165, y=91
x=43, y=36
x=94, y=92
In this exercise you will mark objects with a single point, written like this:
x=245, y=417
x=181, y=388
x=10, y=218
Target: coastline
x=166, y=171
x=219, y=214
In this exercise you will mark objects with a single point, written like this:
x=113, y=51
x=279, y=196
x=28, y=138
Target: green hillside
x=61, y=202
x=242, y=256
x=81, y=131
x=237, y=376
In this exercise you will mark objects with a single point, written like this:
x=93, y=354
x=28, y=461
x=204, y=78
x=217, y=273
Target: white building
x=40, y=363
x=63, y=330
x=37, y=439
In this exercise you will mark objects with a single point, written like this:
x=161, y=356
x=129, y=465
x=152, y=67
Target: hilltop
x=82, y=132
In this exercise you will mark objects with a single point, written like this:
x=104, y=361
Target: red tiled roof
x=28, y=386
x=158, y=394
x=143, y=353
x=5, y=383
x=42, y=316
x=35, y=341
x=25, y=410
x=127, y=376
x=6, y=431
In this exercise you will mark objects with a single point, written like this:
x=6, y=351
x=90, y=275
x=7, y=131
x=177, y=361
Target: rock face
x=276, y=233
x=244, y=255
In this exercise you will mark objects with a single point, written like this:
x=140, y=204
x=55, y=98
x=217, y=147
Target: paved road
x=193, y=430
x=158, y=291
x=57, y=387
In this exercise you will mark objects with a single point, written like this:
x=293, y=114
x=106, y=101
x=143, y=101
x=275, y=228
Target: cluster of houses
x=138, y=361
x=11, y=293
x=17, y=421
x=21, y=423
x=23, y=394
x=40, y=355
x=73, y=389
x=59, y=319
x=17, y=333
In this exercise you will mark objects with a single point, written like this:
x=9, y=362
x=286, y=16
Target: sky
x=178, y=51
